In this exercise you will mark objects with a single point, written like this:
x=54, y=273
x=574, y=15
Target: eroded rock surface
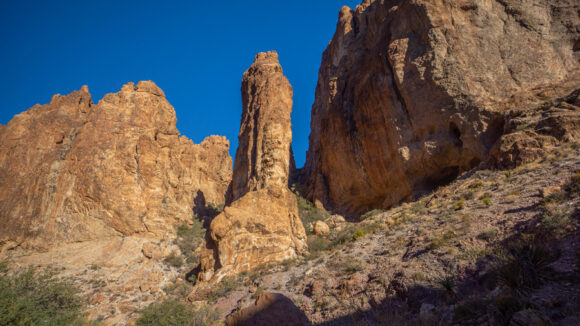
x=408, y=91
x=74, y=171
x=261, y=225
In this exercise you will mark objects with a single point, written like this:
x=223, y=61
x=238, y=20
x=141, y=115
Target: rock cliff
x=410, y=93
x=261, y=224
x=73, y=171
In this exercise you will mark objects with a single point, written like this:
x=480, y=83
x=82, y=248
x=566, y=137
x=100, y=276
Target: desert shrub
x=507, y=174
x=441, y=240
x=486, y=199
x=352, y=267
x=317, y=245
x=189, y=238
x=358, y=234
x=308, y=212
x=176, y=313
x=174, y=260
x=226, y=286
x=487, y=235
x=30, y=297
x=458, y=205
x=179, y=290
x=448, y=284
x=524, y=268
x=370, y=214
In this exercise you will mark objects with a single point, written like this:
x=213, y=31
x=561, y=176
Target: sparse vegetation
x=458, y=205
x=524, y=268
x=308, y=212
x=487, y=235
x=174, y=313
x=189, y=238
x=226, y=286
x=33, y=297
x=174, y=260
x=370, y=214
x=358, y=234
x=486, y=199
x=442, y=240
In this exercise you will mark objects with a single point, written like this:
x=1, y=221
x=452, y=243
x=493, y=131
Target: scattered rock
x=336, y=222
x=320, y=228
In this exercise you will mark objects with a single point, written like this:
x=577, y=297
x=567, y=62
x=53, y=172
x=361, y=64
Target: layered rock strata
x=74, y=171
x=261, y=224
x=410, y=93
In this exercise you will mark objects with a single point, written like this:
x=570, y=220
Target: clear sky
x=196, y=51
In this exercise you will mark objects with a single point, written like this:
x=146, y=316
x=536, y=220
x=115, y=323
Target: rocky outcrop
x=537, y=121
x=410, y=93
x=261, y=224
x=74, y=171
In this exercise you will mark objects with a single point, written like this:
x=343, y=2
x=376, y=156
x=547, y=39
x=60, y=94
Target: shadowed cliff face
x=73, y=171
x=410, y=93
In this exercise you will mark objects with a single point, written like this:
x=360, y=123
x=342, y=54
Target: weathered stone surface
x=269, y=309
x=74, y=171
x=263, y=157
x=261, y=224
x=549, y=117
x=321, y=228
x=410, y=93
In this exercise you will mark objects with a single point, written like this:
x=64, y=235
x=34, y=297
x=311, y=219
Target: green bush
x=189, y=238
x=30, y=297
x=525, y=268
x=308, y=212
x=176, y=313
x=174, y=260
x=358, y=234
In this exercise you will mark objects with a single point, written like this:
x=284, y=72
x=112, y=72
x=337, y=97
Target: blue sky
x=196, y=51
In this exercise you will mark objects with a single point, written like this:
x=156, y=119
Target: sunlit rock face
x=410, y=93
x=74, y=171
x=261, y=223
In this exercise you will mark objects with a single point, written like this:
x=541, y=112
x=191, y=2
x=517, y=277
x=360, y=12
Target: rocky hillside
x=73, y=171
x=495, y=247
x=413, y=93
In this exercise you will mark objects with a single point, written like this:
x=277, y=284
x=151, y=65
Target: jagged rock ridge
x=74, y=171
x=411, y=93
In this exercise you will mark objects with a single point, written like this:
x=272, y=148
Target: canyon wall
x=412, y=93
x=74, y=171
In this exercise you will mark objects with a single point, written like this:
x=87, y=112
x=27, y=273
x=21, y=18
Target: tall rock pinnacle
x=263, y=156
x=261, y=223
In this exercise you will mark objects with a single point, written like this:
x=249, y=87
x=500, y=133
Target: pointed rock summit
x=261, y=224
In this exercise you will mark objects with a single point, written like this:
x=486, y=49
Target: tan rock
x=75, y=171
x=336, y=222
x=321, y=228
x=261, y=224
x=412, y=93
